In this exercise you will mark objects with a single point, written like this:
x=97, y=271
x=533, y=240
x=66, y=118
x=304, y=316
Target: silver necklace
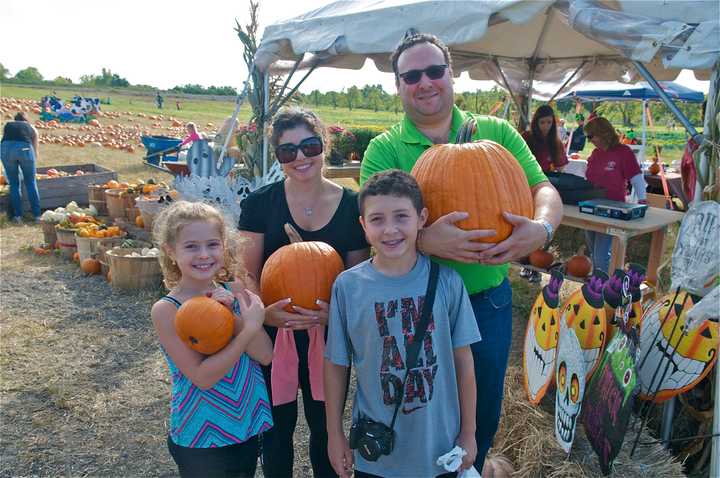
x=308, y=211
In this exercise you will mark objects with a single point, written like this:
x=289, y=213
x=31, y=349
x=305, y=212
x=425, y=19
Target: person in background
x=562, y=131
x=611, y=166
x=192, y=134
x=577, y=139
x=543, y=140
x=316, y=209
x=19, y=152
x=159, y=100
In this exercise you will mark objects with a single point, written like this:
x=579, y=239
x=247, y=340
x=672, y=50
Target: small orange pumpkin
x=482, y=178
x=205, y=325
x=139, y=222
x=302, y=271
x=579, y=265
x=541, y=258
x=90, y=266
x=76, y=257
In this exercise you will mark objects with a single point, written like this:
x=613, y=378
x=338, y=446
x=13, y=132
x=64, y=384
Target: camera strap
x=413, y=350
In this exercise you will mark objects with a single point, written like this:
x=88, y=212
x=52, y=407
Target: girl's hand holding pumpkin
x=252, y=310
x=222, y=295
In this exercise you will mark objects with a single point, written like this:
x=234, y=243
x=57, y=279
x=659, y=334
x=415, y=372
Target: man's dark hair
x=412, y=38
x=392, y=182
x=20, y=116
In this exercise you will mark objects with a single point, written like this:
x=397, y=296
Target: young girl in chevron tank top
x=219, y=402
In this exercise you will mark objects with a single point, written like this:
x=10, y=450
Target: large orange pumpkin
x=204, y=324
x=302, y=271
x=482, y=178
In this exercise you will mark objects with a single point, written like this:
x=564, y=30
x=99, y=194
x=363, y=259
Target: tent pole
x=668, y=102
x=704, y=169
x=644, y=130
x=266, y=100
x=507, y=86
x=568, y=80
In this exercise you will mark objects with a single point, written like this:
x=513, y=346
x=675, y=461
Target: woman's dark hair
x=20, y=116
x=552, y=140
x=293, y=117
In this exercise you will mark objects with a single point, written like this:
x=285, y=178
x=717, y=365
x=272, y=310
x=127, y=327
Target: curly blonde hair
x=167, y=226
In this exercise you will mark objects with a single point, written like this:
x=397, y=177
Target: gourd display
x=302, y=271
x=481, y=177
x=204, y=324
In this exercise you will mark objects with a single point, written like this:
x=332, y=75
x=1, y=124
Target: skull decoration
x=585, y=313
x=672, y=361
x=541, y=337
x=570, y=380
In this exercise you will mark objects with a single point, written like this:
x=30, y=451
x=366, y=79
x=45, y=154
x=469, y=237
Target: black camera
x=371, y=439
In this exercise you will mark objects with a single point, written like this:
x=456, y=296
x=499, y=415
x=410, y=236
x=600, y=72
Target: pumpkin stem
x=292, y=233
x=466, y=131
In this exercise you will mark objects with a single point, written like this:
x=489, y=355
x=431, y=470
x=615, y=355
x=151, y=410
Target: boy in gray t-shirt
x=374, y=309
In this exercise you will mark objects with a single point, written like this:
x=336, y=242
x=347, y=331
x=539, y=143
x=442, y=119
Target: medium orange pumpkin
x=302, y=271
x=204, y=324
x=482, y=178
x=541, y=258
x=90, y=266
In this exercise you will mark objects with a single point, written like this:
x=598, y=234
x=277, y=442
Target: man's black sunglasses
x=434, y=72
x=589, y=136
x=310, y=147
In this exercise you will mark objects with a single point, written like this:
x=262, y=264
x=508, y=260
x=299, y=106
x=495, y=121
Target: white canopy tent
x=530, y=47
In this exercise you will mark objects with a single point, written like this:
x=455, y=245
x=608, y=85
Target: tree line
x=375, y=98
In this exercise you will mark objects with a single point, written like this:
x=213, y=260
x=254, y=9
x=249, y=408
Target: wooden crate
x=57, y=192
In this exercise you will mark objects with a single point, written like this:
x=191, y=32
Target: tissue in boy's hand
x=452, y=460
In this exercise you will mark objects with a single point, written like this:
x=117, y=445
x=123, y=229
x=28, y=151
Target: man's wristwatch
x=549, y=231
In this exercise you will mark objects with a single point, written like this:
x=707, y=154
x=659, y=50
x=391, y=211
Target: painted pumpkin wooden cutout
x=612, y=296
x=636, y=273
x=672, y=362
x=541, y=338
x=584, y=312
x=570, y=386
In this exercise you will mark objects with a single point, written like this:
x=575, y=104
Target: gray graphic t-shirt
x=371, y=318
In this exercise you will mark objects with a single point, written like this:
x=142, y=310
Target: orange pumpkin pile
x=482, y=178
x=205, y=325
x=302, y=271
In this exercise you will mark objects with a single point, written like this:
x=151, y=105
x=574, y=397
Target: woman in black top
x=19, y=151
x=319, y=210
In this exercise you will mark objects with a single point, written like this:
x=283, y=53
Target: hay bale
x=527, y=437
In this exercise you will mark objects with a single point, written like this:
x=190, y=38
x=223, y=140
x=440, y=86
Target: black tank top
x=18, y=131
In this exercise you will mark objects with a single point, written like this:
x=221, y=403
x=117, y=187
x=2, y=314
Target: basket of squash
x=90, y=235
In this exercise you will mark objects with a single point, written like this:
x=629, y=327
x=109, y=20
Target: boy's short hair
x=392, y=182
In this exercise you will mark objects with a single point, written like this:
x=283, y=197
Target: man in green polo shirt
x=423, y=76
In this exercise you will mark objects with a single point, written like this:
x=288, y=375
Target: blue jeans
x=493, y=313
x=599, y=244
x=16, y=156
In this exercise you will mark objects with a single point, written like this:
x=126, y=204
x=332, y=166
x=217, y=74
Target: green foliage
x=60, y=80
x=29, y=75
x=194, y=89
x=106, y=78
x=4, y=72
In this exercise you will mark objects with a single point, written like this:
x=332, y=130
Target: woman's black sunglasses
x=310, y=147
x=434, y=72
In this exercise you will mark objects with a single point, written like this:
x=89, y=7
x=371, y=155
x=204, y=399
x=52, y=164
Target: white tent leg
x=644, y=131
x=266, y=101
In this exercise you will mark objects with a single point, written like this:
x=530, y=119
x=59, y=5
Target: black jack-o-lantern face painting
x=673, y=359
